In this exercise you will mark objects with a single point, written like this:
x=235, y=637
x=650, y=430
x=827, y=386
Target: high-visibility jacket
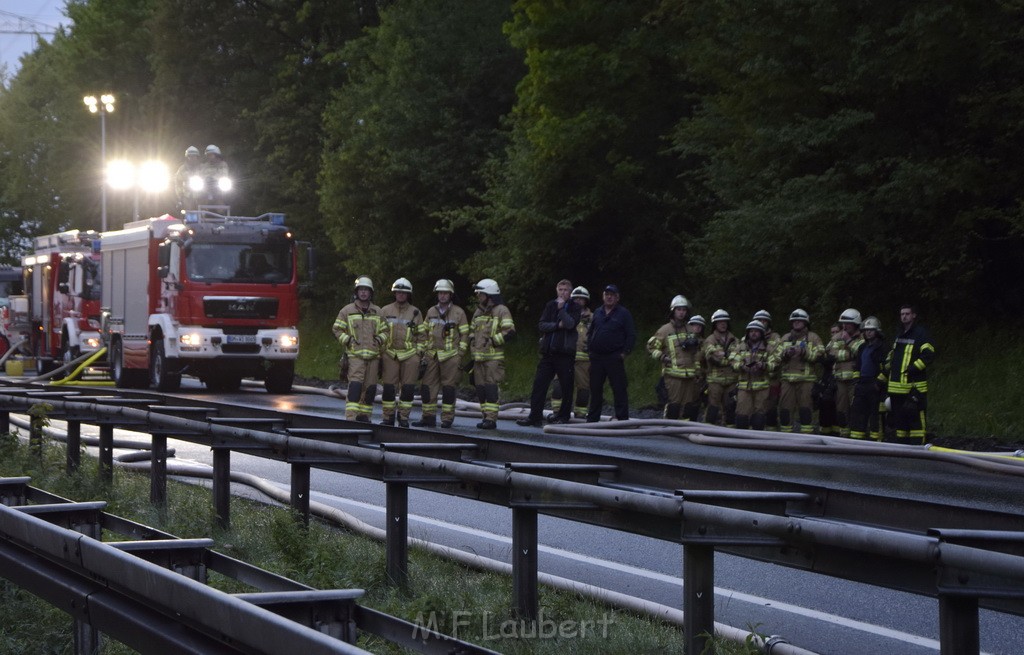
x=795, y=354
x=405, y=334
x=447, y=332
x=581, y=335
x=746, y=354
x=908, y=361
x=362, y=332
x=680, y=347
x=845, y=353
x=489, y=328
x=717, y=349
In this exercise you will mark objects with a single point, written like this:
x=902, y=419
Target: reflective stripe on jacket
x=717, y=350
x=795, y=354
x=361, y=332
x=907, y=364
x=405, y=336
x=447, y=333
x=845, y=355
x=488, y=331
x=681, y=348
x=751, y=379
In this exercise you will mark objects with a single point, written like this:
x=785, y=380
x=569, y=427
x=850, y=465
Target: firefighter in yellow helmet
x=490, y=328
x=677, y=349
x=447, y=343
x=362, y=332
x=797, y=352
x=400, y=364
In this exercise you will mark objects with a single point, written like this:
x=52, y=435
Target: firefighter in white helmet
x=718, y=348
x=677, y=349
x=581, y=367
x=400, y=363
x=214, y=167
x=867, y=391
x=447, y=343
x=490, y=329
x=190, y=167
x=771, y=338
x=362, y=332
x=751, y=361
x=844, y=349
x=795, y=356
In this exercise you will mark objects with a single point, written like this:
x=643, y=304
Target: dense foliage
x=777, y=153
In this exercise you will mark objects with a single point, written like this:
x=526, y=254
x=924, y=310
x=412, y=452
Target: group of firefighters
x=761, y=380
x=765, y=380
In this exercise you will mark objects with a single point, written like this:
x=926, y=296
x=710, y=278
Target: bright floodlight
x=153, y=177
x=120, y=174
x=108, y=102
x=195, y=183
x=90, y=102
x=224, y=184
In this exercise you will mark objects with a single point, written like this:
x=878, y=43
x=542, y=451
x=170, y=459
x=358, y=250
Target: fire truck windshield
x=265, y=263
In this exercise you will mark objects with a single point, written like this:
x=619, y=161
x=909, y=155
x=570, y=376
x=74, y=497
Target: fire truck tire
x=124, y=378
x=279, y=377
x=163, y=371
x=67, y=351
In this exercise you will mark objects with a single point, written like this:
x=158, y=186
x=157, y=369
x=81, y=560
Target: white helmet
x=444, y=285
x=679, y=301
x=799, y=315
x=580, y=292
x=850, y=316
x=191, y=151
x=488, y=286
x=402, y=284
x=763, y=315
x=872, y=323
x=720, y=315
x=697, y=320
x=755, y=325
x=212, y=148
x=363, y=281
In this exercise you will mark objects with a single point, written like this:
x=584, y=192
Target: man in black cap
x=611, y=337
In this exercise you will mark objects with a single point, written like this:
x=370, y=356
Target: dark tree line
x=777, y=153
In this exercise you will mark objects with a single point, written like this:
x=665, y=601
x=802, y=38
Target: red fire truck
x=212, y=296
x=62, y=282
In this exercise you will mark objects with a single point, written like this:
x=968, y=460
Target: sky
x=42, y=15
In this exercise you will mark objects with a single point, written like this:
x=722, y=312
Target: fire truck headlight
x=289, y=341
x=224, y=184
x=191, y=340
x=92, y=343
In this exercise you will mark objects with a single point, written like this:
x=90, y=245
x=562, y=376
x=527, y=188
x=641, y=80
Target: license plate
x=241, y=338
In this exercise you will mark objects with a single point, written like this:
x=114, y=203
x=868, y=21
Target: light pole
x=103, y=106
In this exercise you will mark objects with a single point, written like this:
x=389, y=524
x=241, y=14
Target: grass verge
x=452, y=598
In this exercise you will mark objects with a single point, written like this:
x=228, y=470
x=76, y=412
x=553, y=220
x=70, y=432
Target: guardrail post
x=397, y=546
x=222, y=486
x=107, y=452
x=525, y=597
x=87, y=639
x=74, y=446
x=300, y=491
x=158, y=471
x=958, y=625
x=5, y=422
x=698, y=596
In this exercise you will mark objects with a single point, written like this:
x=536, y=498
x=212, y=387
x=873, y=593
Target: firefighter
x=214, y=167
x=772, y=339
x=844, y=349
x=581, y=367
x=400, y=364
x=717, y=349
x=867, y=390
x=447, y=343
x=823, y=394
x=795, y=355
x=751, y=362
x=362, y=332
x=192, y=166
x=490, y=329
x=907, y=371
x=677, y=349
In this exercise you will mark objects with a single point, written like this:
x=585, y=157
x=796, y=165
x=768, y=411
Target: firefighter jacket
x=405, y=330
x=677, y=350
x=752, y=363
x=447, y=332
x=490, y=327
x=845, y=355
x=717, y=349
x=908, y=361
x=362, y=333
x=795, y=355
x=581, y=335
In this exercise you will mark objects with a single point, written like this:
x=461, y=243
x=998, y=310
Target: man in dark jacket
x=611, y=337
x=557, y=328
x=907, y=371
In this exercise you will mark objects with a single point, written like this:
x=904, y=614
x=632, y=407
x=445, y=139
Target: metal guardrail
x=151, y=594
x=963, y=569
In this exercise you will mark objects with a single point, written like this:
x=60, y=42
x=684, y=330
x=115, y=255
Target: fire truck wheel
x=68, y=352
x=279, y=377
x=163, y=371
x=124, y=378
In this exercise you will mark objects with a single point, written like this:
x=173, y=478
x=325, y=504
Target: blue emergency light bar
x=191, y=217
x=276, y=218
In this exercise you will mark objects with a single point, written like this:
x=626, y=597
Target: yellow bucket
x=15, y=368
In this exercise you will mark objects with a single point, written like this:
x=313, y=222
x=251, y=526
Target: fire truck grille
x=240, y=307
x=240, y=349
